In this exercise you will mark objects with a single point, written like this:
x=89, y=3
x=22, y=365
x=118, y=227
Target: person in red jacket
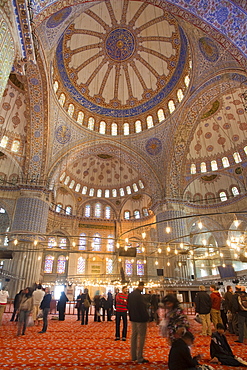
x=215, y=308
x=121, y=312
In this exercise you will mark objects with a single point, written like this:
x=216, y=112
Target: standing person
x=85, y=304
x=228, y=307
x=97, y=306
x=16, y=306
x=103, y=305
x=121, y=312
x=203, y=308
x=215, y=309
x=4, y=295
x=235, y=309
x=78, y=305
x=38, y=295
x=25, y=308
x=139, y=317
x=61, y=306
x=109, y=305
x=45, y=307
x=240, y=306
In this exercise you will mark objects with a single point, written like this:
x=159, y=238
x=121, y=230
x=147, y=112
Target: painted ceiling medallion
x=120, y=44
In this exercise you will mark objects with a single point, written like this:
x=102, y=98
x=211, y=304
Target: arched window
x=140, y=267
x=210, y=198
x=128, y=189
x=180, y=95
x=197, y=198
x=127, y=215
x=102, y=127
x=192, y=168
x=171, y=106
x=128, y=267
x=223, y=196
x=87, y=210
x=82, y=242
x=91, y=123
x=80, y=118
x=188, y=196
x=187, y=81
x=138, y=126
x=150, y=122
x=59, y=206
x=135, y=187
x=235, y=191
x=121, y=191
x=126, y=128
x=237, y=157
x=107, y=193
x=114, y=193
x=99, y=193
x=109, y=266
x=145, y=212
x=114, y=129
x=62, y=243
x=62, y=176
x=77, y=188
x=141, y=184
x=84, y=190
x=66, y=181
x=61, y=264
x=52, y=242
x=62, y=99
x=214, y=165
x=48, y=264
x=13, y=179
x=108, y=212
x=15, y=146
x=68, y=210
x=137, y=213
x=203, y=167
x=161, y=115
x=55, y=86
x=96, y=245
x=71, y=185
x=71, y=109
x=4, y=141
x=245, y=150
x=91, y=192
x=97, y=210
x=225, y=162
x=110, y=243
x=81, y=265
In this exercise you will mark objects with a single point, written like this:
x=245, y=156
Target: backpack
x=242, y=300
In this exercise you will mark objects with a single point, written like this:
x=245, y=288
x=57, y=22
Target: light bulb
x=35, y=242
x=159, y=250
x=179, y=264
x=236, y=223
x=143, y=249
x=224, y=265
x=176, y=252
x=200, y=225
x=143, y=235
x=156, y=263
x=15, y=242
x=144, y=261
x=168, y=249
x=117, y=245
x=168, y=263
x=181, y=245
x=168, y=229
x=119, y=260
x=74, y=244
x=221, y=255
x=126, y=240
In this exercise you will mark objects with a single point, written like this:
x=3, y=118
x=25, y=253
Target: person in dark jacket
x=109, y=305
x=85, y=300
x=228, y=307
x=97, y=306
x=242, y=314
x=78, y=305
x=103, y=305
x=180, y=357
x=17, y=300
x=61, y=306
x=203, y=308
x=139, y=317
x=45, y=307
x=235, y=309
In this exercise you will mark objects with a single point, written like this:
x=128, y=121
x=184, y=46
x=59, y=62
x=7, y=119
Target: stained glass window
x=55, y=86
x=62, y=99
x=91, y=123
x=84, y=190
x=80, y=118
x=91, y=192
x=140, y=267
x=225, y=162
x=4, y=141
x=126, y=127
x=81, y=265
x=96, y=245
x=97, y=210
x=114, y=193
x=150, y=122
x=15, y=146
x=193, y=169
x=108, y=212
x=62, y=243
x=110, y=243
x=107, y=193
x=82, y=242
x=87, y=210
x=66, y=181
x=161, y=115
x=237, y=157
x=71, y=109
x=77, y=188
x=135, y=187
x=68, y=210
x=141, y=184
x=109, y=266
x=48, y=264
x=127, y=215
x=171, y=106
x=99, y=193
x=187, y=80
x=52, y=242
x=61, y=264
x=180, y=95
x=137, y=214
x=128, y=189
x=102, y=127
x=59, y=207
x=114, y=129
x=203, y=167
x=128, y=267
x=71, y=185
x=138, y=126
x=145, y=212
x=62, y=176
x=214, y=165
x=223, y=196
x=245, y=150
x=121, y=191
x=235, y=191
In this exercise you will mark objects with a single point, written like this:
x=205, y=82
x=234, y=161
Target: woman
x=176, y=321
x=97, y=306
x=61, y=305
x=78, y=305
x=45, y=307
x=25, y=308
x=85, y=304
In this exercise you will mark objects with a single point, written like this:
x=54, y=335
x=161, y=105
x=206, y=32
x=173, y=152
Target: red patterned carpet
x=69, y=345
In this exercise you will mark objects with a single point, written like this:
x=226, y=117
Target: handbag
x=86, y=303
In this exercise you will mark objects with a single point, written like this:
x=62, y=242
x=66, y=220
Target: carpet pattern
x=68, y=345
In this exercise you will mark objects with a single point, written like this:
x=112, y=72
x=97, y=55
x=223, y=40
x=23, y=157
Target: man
x=38, y=295
x=203, y=307
x=109, y=305
x=139, y=317
x=235, y=309
x=121, y=301
x=215, y=308
x=4, y=295
x=45, y=306
x=228, y=307
x=240, y=306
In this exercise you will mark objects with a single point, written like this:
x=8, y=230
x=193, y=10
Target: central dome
x=120, y=44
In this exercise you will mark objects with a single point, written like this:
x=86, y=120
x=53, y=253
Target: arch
x=61, y=264
x=48, y=267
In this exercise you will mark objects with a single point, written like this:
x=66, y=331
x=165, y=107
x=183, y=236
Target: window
x=121, y=192
x=114, y=193
x=55, y=86
x=84, y=190
x=237, y=157
x=138, y=126
x=161, y=115
x=126, y=128
x=87, y=210
x=187, y=81
x=107, y=193
x=225, y=162
x=110, y=243
x=62, y=176
x=68, y=210
x=62, y=99
x=71, y=185
x=66, y=181
x=52, y=242
x=81, y=265
x=128, y=189
x=127, y=215
x=180, y=95
x=13, y=179
x=48, y=264
x=150, y=122
x=91, y=192
x=77, y=188
x=2, y=210
x=128, y=267
x=99, y=193
x=203, y=167
x=245, y=150
x=145, y=212
x=97, y=210
x=15, y=146
x=59, y=206
x=141, y=184
x=214, y=165
x=62, y=243
x=235, y=191
x=108, y=212
x=71, y=109
x=135, y=187
x=223, y=196
x=137, y=214
x=193, y=169
x=80, y=118
x=114, y=129
x=82, y=242
x=109, y=266
x=171, y=106
x=4, y=141
x=140, y=267
x=210, y=198
x=61, y=264
x=96, y=245
x=91, y=123
x=102, y=127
